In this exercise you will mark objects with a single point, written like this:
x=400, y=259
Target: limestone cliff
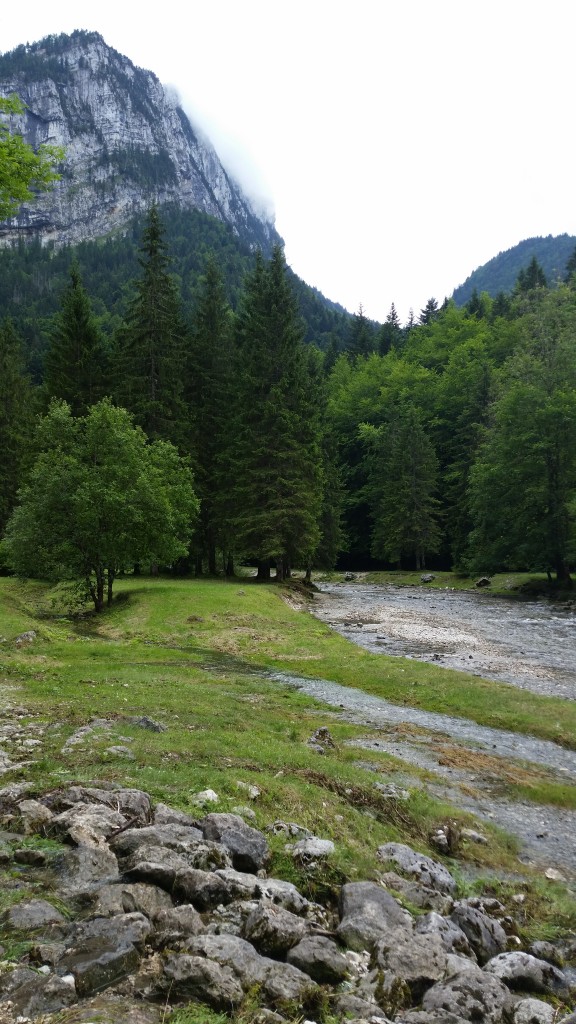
x=127, y=143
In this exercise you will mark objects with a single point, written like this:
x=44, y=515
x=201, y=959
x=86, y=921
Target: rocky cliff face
x=127, y=143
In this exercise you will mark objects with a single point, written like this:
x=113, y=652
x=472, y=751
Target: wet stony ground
x=528, y=644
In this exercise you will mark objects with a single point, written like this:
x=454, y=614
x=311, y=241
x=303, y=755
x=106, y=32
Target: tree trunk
x=279, y=570
x=263, y=570
x=229, y=570
x=308, y=576
x=198, y=569
x=212, y=560
x=111, y=578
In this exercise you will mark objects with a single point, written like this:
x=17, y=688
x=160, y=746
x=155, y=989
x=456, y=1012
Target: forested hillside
x=450, y=442
x=501, y=272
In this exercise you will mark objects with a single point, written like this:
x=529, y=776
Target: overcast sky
x=400, y=144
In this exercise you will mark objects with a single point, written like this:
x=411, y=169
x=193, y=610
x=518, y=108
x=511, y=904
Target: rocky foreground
x=145, y=909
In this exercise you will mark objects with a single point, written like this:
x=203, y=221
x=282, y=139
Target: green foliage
x=23, y=172
x=16, y=417
x=98, y=498
x=76, y=361
x=501, y=273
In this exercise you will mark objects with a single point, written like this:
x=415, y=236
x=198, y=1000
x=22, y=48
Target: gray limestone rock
x=417, y=894
x=312, y=848
x=469, y=993
x=278, y=981
x=273, y=930
x=85, y=868
x=321, y=958
x=32, y=916
x=416, y=865
x=205, y=889
x=177, y=924
x=485, y=935
x=124, y=898
x=164, y=815
x=522, y=971
x=99, y=955
x=199, y=979
x=452, y=937
x=41, y=995
x=248, y=847
x=34, y=816
x=534, y=1011
x=87, y=824
x=369, y=913
x=418, y=959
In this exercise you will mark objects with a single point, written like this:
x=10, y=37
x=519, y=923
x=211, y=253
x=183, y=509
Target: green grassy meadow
x=193, y=655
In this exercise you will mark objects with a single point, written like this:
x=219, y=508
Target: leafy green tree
x=23, y=172
x=277, y=486
x=151, y=344
x=98, y=498
x=16, y=417
x=402, y=479
x=523, y=484
x=209, y=386
x=76, y=364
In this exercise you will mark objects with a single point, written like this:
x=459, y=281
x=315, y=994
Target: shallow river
x=531, y=644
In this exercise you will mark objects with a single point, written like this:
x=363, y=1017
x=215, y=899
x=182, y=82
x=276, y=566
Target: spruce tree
x=151, y=344
x=277, y=487
x=361, y=339
x=209, y=384
x=76, y=361
x=390, y=335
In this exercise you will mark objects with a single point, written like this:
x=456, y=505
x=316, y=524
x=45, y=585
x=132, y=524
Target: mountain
x=127, y=143
x=501, y=272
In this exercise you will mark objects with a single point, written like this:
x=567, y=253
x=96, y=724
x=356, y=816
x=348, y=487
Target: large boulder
x=418, y=960
x=522, y=971
x=247, y=846
x=99, y=955
x=451, y=935
x=369, y=913
x=485, y=935
x=321, y=958
x=273, y=930
x=85, y=868
x=470, y=993
x=32, y=916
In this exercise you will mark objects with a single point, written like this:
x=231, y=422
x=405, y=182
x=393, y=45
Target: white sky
x=401, y=144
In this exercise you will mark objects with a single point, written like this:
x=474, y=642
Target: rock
x=164, y=815
x=485, y=935
x=522, y=971
x=118, y=750
x=252, y=792
x=178, y=923
x=471, y=994
x=418, y=895
x=427, y=577
x=554, y=875
x=40, y=995
x=248, y=847
x=416, y=865
x=483, y=582
x=205, y=889
x=199, y=979
x=33, y=858
x=322, y=739
x=32, y=916
x=273, y=930
x=390, y=791
x=369, y=913
x=156, y=866
x=88, y=824
x=171, y=835
x=321, y=958
x=85, y=868
x=109, y=1008
x=33, y=815
x=534, y=1011
x=451, y=935
x=473, y=837
x=244, y=812
x=100, y=955
x=143, y=722
x=149, y=900
x=288, y=828
x=207, y=796
x=278, y=982
x=547, y=951
x=25, y=638
x=307, y=850
x=419, y=960
x=349, y=1006
x=242, y=885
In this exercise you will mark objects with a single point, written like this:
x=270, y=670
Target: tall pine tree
x=16, y=418
x=76, y=364
x=277, y=487
x=151, y=344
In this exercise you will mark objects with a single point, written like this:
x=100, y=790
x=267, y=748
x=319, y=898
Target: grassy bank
x=193, y=655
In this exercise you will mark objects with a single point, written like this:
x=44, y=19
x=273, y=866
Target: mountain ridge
x=500, y=273
x=127, y=140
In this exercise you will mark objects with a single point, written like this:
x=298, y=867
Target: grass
x=193, y=655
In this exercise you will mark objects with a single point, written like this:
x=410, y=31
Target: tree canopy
x=99, y=497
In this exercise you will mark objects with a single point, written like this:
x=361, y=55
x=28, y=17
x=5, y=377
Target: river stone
x=369, y=913
x=273, y=930
x=520, y=970
x=247, y=846
x=416, y=865
x=419, y=960
x=470, y=993
x=452, y=937
x=485, y=935
x=321, y=958
x=534, y=1011
x=194, y=977
x=85, y=868
x=33, y=915
x=418, y=895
